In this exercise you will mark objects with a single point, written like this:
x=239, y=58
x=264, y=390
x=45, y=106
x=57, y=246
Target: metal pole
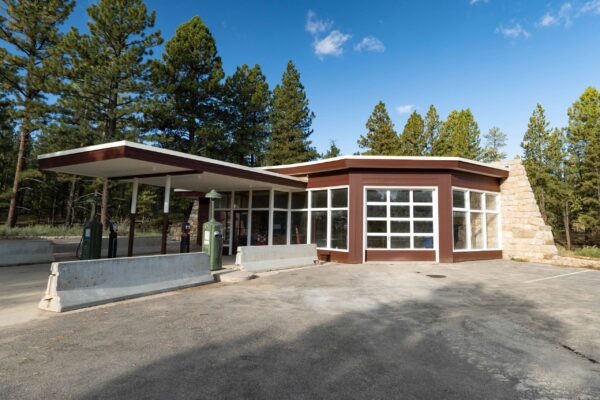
x=132, y=214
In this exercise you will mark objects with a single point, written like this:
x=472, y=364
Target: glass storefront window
x=339, y=198
x=476, y=219
x=318, y=232
x=280, y=200
x=260, y=228
x=339, y=229
x=280, y=227
x=241, y=200
x=319, y=199
x=299, y=200
x=376, y=195
x=260, y=199
x=224, y=201
x=299, y=223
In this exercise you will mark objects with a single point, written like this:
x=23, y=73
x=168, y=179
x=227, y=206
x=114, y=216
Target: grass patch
x=519, y=259
x=588, y=251
x=37, y=231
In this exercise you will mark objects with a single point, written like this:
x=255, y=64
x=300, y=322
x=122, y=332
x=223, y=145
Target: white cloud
x=548, y=20
x=370, y=43
x=473, y=2
x=513, y=31
x=314, y=25
x=591, y=7
x=405, y=109
x=331, y=45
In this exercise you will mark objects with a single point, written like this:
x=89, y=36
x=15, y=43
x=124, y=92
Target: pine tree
x=185, y=110
x=534, y=144
x=559, y=191
x=495, y=139
x=432, y=129
x=413, y=141
x=107, y=70
x=31, y=28
x=583, y=138
x=333, y=150
x=291, y=121
x=247, y=100
x=381, y=138
x=8, y=150
x=459, y=136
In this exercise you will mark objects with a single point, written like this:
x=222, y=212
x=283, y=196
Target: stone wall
x=525, y=235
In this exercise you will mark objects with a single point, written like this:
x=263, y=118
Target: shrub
x=588, y=251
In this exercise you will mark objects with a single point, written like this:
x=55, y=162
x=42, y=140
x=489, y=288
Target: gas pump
x=91, y=240
x=184, y=245
x=212, y=235
x=112, y=240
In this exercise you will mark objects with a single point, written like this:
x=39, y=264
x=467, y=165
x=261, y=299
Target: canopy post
x=165, y=227
x=132, y=215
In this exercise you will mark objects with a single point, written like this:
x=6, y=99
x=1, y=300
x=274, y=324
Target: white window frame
x=484, y=211
x=435, y=218
x=328, y=209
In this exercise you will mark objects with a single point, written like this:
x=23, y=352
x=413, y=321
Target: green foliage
x=381, y=138
x=31, y=30
x=333, y=150
x=583, y=136
x=535, y=144
x=588, y=251
x=185, y=109
x=413, y=141
x=432, y=129
x=106, y=69
x=291, y=121
x=495, y=139
x=247, y=101
x=459, y=136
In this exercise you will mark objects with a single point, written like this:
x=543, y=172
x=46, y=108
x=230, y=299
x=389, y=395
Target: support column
x=165, y=228
x=132, y=214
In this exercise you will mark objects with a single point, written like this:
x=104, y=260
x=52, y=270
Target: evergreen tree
x=432, y=129
x=413, y=141
x=534, y=144
x=8, y=150
x=333, y=150
x=381, y=138
x=583, y=138
x=559, y=191
x=31, y=29
x=291, y=121
x=459, y=136
x=185, y=110
x=107, y=70
x=495, y=139
x=247, y=101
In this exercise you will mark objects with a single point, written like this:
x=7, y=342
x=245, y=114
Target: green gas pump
x=91, y=240
x=212, y=235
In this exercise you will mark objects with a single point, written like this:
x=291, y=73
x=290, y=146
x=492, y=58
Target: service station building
x=354, y=208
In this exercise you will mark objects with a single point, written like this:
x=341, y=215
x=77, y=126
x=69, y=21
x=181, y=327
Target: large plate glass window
x=476, y=222
x=328, y=218
x=400, y=219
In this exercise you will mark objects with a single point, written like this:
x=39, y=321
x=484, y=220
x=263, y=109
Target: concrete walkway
x=477, y=330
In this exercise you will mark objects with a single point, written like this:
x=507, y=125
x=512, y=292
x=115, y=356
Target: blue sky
x=497, y=57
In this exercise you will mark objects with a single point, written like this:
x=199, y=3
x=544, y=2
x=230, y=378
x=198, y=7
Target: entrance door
x=240, y=229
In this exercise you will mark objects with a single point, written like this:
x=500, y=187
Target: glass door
x=240, y=229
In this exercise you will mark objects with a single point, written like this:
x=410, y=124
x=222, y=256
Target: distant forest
x=64, y=88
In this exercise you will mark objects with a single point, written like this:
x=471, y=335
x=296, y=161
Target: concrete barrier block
x=268, y=258
x=20, y=252
x=79, y=284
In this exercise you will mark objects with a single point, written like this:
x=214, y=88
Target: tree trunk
x=11, y=221
x=567, y=224
x=104, y=206
x=69, y=216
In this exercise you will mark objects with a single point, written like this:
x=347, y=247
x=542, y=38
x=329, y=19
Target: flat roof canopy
x=127, y=160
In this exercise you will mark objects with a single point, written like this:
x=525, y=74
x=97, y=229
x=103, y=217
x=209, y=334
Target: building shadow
x=462, y=342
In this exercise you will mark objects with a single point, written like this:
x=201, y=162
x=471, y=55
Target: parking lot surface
x=493, y=330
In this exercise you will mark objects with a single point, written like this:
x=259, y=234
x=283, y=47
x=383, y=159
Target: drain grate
x=436, y=276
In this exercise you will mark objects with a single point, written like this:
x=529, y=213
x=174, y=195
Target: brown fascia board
x=165, y=159
x=345, y=164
